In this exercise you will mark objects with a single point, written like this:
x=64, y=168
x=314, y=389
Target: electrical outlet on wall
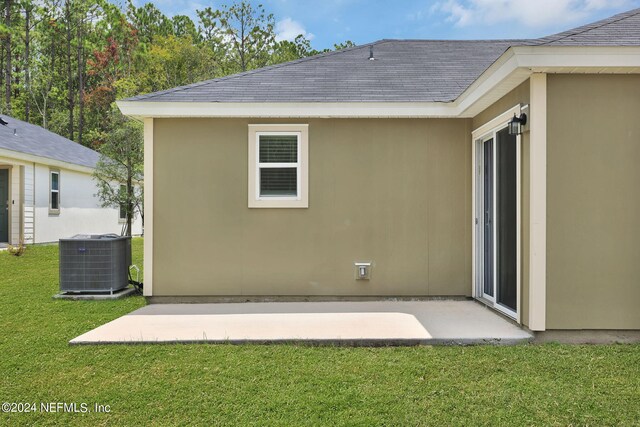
x=363, y=270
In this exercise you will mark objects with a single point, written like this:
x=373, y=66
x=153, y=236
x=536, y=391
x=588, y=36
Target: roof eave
x=141, y=109
x=512, y=68
x=33, y=158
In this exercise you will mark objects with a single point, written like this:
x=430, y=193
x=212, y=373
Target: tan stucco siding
x=394, y=192
x=593, y=202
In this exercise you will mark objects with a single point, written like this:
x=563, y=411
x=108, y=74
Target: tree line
x=65, y=62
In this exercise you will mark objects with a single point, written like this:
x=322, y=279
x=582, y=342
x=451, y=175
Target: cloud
x=531, y=14
x=288, y=29
x=606, y=4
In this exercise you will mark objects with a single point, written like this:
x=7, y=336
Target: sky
x=326, y=22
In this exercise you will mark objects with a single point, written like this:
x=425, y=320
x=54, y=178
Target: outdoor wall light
x=515, y=125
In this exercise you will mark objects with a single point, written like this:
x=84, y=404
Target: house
x=406, y=168
x=46, y=188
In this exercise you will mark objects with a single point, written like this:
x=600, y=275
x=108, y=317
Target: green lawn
x=287, y=384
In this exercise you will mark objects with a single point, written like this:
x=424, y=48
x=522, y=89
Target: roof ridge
x=454, y=40
x=255, y=71
x=590, y=27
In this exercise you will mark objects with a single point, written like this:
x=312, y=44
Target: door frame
x=478, y=136
x=481, y=231
x=9, y=169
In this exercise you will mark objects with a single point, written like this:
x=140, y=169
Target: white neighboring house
x=47, y=191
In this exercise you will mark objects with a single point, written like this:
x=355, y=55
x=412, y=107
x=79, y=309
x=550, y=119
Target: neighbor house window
x=122, y=208
x=54, y=191
x=278, y=169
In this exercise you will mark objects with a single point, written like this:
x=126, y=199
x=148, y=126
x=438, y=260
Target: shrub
x=18, y=249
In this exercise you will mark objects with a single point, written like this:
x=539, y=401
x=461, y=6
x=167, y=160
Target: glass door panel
x=506, y=199
x=487, y=204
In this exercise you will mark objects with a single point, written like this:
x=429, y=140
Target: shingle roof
x=619, y=30
x=37, y=141
x=403, y=70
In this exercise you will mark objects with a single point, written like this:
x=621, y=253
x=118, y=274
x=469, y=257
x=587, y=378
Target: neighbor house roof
x=402, y=71
x=27, y=138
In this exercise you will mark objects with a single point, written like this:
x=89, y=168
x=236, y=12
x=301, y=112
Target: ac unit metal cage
x=94, y=263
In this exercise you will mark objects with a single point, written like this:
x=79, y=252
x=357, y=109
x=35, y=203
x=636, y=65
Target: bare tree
x=248, y=30
x=121, y=165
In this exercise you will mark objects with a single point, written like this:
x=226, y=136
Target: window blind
x=278, y=149
x=278, y=181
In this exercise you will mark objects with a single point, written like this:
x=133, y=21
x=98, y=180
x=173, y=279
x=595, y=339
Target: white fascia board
x=533, y=57
x=504, y=74
x=287, y=109
x=30, y=158
x=512, y=68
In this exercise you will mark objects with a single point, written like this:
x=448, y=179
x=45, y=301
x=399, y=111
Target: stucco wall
x=80, y=210
x=593, y=202
x=394, y=192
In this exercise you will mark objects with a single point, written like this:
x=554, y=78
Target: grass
x=288, y=384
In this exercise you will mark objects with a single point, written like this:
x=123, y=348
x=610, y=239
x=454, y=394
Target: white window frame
x=288, y=165
x=53, y=211
x=301, y=199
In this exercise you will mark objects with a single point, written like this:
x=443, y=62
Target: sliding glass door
x=496, y=220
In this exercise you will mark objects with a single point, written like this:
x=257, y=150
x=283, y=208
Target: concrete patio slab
x=339, y=323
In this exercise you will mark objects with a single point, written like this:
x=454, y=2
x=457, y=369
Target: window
x=122, y=208
x=278, y=165
x=54, y=192
x=278, y=170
